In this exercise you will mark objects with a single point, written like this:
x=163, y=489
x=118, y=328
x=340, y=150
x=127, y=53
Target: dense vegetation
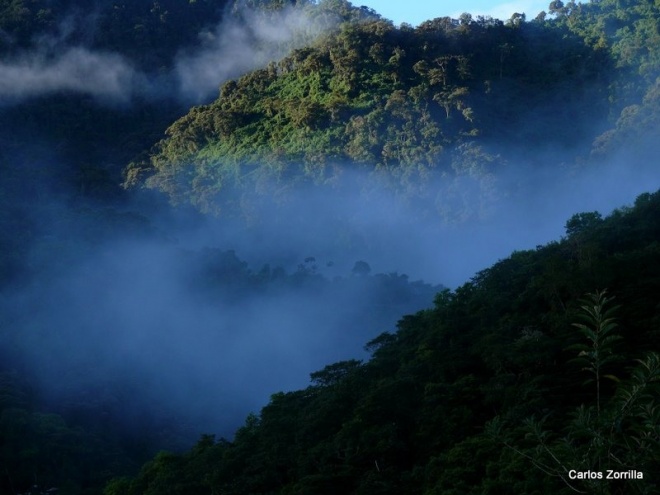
x=446, y=99
x=148, y=32
x=545, y=362
x=72, y=147
x=102, y=429
x=502, y=387
x=65, y=146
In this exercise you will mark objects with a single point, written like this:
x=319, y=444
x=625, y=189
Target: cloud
x=243, y=42
x=124, y=315
x=79, y=70
x=139, y=316
x=55, y=64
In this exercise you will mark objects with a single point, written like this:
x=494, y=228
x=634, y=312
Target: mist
x=445, y=234
x=179, y=323
x=78, y=70
x=199, y=319
x=67, y=61
x=141, y=316
x=63, y=61
x=242, y=42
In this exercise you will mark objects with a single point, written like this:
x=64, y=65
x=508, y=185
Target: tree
x=597, y=327
x=582, y=222
x=361, y=269
x=619, y=434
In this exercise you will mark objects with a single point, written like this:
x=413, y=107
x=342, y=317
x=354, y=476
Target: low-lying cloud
x=124, y=312
x=242, y=43
x=77, y=69
x=141, y=318
x=132, y=315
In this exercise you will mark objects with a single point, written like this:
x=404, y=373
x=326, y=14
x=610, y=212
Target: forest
x=289, y=247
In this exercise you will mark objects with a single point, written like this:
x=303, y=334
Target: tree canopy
x=506, y=384
x=413, y=103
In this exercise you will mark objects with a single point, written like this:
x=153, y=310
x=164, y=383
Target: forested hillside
x=420, y=107
x=203, y=202
x=67, y=70
x=149, y=33
x=544, y=363
x=73, y=414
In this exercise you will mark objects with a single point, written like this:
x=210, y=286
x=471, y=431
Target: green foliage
x=148, y=32
x=582, y=222
x=603, y=437
x=597, y=329
x=408, y=105
x=42, y=448
x=622, y=437
x=334, y=373
x=478, y=394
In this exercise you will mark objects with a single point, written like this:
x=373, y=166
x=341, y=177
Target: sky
x=415, y=12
